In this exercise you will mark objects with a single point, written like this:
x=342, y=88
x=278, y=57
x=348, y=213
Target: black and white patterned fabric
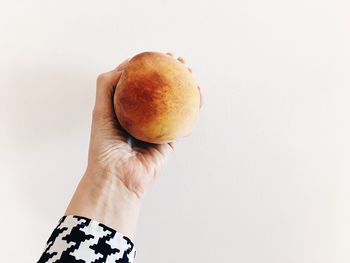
x=83, y=240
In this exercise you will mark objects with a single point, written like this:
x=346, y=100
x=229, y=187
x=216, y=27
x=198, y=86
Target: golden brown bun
x=156, y=99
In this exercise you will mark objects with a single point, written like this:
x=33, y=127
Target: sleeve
x=83, y=240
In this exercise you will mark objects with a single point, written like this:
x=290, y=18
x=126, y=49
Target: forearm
x=99, y=223
x=104, y=198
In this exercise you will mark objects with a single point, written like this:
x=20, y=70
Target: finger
x=201, y=97
x=106, y=83
x=173, y=144
x=158, y=153
x=166, y=148
x=153, y=149
x=181, y=59
x=189, y=69
x=122, y=65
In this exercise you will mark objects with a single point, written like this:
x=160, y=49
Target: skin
x=120, y=168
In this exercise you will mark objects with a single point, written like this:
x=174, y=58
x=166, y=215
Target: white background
x=264, y=176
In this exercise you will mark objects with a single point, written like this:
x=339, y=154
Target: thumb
x=105, y=86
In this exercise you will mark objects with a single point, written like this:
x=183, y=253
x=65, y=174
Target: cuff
x=84, y=240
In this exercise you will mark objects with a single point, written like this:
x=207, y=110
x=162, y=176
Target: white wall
x=265, y=175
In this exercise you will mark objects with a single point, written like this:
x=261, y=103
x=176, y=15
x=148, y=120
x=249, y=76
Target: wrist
x=104, y=181
x=104, y=198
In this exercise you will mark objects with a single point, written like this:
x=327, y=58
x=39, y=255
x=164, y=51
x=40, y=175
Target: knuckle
x=101, y=78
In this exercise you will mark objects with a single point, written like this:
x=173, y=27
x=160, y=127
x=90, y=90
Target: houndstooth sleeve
x=83, y=240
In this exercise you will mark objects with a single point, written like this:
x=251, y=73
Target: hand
x=120, y=168
x=115, y=153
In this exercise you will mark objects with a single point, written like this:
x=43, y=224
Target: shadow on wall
x=48, y=106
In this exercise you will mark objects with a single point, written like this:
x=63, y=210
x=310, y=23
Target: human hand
x=113, y=152
x=120, y=168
